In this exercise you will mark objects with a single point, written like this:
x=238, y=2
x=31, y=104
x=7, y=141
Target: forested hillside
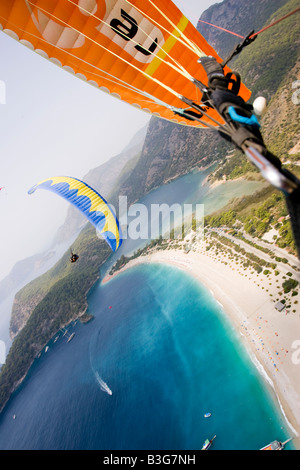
x=50, y=302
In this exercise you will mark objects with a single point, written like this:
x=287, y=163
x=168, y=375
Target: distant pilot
x=73, y=257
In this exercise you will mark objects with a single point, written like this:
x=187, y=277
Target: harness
x=242, y=128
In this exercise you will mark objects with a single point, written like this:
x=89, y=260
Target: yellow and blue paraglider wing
x=89, y=202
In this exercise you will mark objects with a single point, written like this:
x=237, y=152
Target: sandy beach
x=272, y=338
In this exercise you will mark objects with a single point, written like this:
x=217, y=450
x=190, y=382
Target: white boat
x=71, y=337
x=103, y=385
x=276, y=445
x=207, y=443
x=106, y=388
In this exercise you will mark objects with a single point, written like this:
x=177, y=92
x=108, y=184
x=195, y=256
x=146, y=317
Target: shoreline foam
x=248, y=302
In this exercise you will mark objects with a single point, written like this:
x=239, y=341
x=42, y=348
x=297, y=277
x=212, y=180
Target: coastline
x=248, y=301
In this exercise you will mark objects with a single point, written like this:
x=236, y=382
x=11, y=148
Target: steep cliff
x=238, y=16
x=171, y=150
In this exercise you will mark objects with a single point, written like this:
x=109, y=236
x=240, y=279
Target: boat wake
x=103, y=386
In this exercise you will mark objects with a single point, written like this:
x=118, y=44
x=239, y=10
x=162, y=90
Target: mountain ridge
x=25, y=270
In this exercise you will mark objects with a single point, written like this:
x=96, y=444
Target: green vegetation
x=234, y=167
x=227, y=218
x=241, y=25
x=251, y=259
x=289, y=284
x=257, y=214
x=268, y=60
x=64, y=300
x=86, y=318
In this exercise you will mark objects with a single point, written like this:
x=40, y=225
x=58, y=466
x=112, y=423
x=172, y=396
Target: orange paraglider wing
x=144, y=52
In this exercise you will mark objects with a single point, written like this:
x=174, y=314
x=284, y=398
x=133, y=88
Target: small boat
x=276, y=445
x=208, y=443
x=207, y=415
x=103, y=385
x=46, y=348
x=14, y=416
x=71, y=337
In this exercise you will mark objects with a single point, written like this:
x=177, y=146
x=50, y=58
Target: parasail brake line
x=178, y=67
x=186, y=42
x=148, y=76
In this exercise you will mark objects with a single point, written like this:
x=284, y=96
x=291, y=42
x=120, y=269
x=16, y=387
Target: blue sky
x=53, y=124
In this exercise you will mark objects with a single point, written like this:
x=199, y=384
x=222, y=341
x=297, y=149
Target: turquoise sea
x=161, y=345
x=158, y=355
